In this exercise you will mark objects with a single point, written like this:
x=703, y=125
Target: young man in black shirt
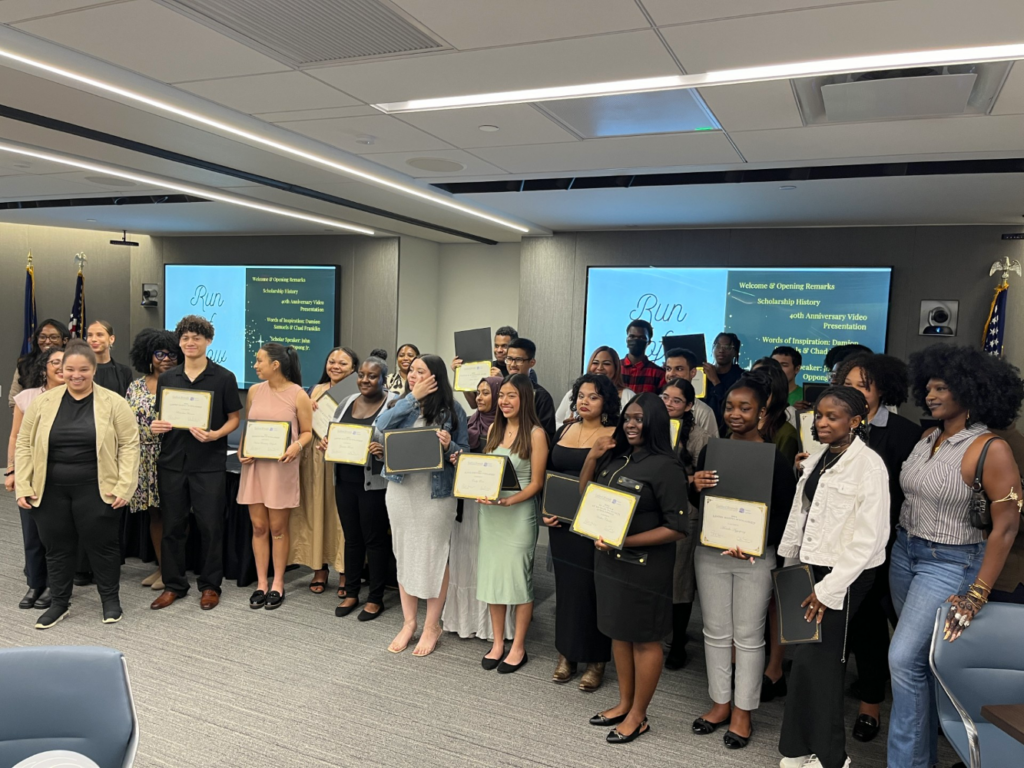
x=111, y=374
x=521, y=358
x=192, y=464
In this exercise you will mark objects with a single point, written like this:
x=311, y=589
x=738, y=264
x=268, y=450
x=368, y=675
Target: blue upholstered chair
x=984, y=666
x=74, y=698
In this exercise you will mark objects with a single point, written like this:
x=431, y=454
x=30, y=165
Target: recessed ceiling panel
x=753, y=106
x=633, y=114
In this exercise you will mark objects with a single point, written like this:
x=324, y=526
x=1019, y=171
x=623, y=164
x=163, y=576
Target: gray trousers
x=734, y=604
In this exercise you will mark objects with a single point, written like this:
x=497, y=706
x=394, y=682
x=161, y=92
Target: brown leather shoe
x=166, y=598
x=209, y=600
x=565, y=671
x=592, y=678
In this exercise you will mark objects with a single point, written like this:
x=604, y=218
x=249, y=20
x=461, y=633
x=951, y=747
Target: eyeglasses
x=55, y=363
x=517, y=360
x=162, y=355
x=50, y=337
x=723, y=347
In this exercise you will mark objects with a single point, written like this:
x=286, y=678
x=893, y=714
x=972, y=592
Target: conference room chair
x=983, y=666
x=73, y=698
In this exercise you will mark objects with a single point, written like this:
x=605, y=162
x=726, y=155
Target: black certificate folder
x=412, y=450
x=474, y=346
x=745, y=469
x=793, y=585
x=561, y=496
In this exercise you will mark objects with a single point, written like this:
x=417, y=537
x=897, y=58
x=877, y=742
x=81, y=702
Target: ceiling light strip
x=818, y=68
x=234, y=130
x=156, y=181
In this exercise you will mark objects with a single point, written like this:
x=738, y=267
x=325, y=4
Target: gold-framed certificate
x=325, y=408
x=674, y=426
x=468, y=375
x=186, y=408
x=700, y=382
x=605, y=513
x=266, y=439
x=348, y=443
x=479, y=476
x=728, y=523
x=807, y=441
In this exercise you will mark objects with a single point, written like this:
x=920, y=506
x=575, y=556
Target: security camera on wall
x=938, y=318
x=150, y=295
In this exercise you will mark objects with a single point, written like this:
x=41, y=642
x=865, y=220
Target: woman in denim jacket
x=421, y=507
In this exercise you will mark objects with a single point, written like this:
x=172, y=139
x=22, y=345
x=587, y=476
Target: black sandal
x=704, y=727
x=735, y=741
x=274, y=599
x=615, y=737
x=258, y=599
x=318, y=587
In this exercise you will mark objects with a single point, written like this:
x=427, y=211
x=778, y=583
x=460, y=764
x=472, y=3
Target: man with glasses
x=521, y=358
x=683, y=364
x=638, y=372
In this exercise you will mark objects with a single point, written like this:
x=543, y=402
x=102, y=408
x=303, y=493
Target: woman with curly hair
x=595, y=410
x=940, y=554
x=838, y=525
x=604, y=362
x=153, y=352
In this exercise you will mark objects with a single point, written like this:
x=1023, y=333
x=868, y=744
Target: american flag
x=30, y=308
x=76, y=326
x=996, y=325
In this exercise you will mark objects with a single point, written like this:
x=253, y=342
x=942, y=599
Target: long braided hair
x=687, y=421
x=854, y=402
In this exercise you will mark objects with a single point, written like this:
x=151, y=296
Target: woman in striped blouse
x=939, y=556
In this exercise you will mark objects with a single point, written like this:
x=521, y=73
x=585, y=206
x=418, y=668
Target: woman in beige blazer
x=76, y=466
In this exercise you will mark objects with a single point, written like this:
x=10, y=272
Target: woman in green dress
x=508, y=525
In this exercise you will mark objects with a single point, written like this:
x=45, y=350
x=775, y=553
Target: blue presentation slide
x=251, y=305
x=809, y=309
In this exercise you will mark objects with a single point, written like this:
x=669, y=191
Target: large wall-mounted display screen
x=809, y=309
x=251, y=305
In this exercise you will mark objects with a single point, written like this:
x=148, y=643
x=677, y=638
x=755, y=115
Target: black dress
x=634, y=586
x=576, y=634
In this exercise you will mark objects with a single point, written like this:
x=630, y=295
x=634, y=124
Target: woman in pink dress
x=271, y=487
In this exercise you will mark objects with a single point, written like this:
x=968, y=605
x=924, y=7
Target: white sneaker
x=799, y=762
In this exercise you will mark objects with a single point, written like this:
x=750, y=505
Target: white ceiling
x=488, y=45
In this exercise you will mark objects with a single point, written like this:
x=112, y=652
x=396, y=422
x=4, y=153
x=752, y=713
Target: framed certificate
x=475, y=344
x=733, y=522
x=186, y=408
x=807, y=441
x=266, y=439
x=700, y=383
x=479, y=476
x=325, y=408
x=412, y=450
x=561, y=496
x=674, y=425
x=348, y=443
x=605, y=513
x=792, y=585
x=468, y=375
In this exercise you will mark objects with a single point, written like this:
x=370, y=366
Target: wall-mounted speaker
x=151, y=295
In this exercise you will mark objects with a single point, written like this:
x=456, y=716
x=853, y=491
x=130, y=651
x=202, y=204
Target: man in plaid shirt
x=639, y=373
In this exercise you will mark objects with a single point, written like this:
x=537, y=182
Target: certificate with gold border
x=266, y=439
x=325, y=408
x=605, y=513
x=479, y=476
x=468, y=375
x=728, y=523
x=348, y=443
x=186, y=408
x=674, y=425
x=412, y=450
x=700, y=383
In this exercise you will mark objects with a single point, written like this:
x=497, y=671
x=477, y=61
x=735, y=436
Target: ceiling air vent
x=306, y=33
x=899, y=94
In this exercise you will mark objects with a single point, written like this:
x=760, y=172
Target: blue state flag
x=996, y=325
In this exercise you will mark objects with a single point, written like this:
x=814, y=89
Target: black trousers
x=364, y=519
x=202, y=493
x=35, y=552
x=814, y=721
x=69, y=515
x=869, y=638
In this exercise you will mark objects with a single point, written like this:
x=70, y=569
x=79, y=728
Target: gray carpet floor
x=299, y=688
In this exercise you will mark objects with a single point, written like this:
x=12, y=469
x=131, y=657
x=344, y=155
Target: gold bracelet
x=980, y=582
x=1011, y=496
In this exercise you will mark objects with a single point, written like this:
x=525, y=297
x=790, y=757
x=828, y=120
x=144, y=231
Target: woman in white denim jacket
x=839, y=525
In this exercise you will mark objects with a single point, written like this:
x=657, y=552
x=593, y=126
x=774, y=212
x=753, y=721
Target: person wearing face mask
x=76, y=466
x=638, y=372
x=317, y=539
x=270, y=487
x=604, y=362
x=683, y=364
x=838, y=525
x=50, y=376
x=680, y=398
x=420, y=504
x=734, y=589
x=49, y=334
x=634, y=585
x=522, y=356
x=155, y=352
x=722, y=373
x=361, y=495
x=406, y=354
x=111, y=374
x=596, y=408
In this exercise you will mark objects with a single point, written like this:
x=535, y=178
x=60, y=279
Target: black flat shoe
x=507, y=669
x=365, y=615
x=112, y=612
x=604, y=722
x=614, y=737
x=735, y=741
x=703, y=727
x=55, y=614
x=770, y=690
x=44, y=600
x=345, y=610
x=866, y=728
x=490, y=664
x=676, y=659
x=29, y=600
x=258, y=599
x=274, y=599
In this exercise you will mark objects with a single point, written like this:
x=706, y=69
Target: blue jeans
x=922, y=576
